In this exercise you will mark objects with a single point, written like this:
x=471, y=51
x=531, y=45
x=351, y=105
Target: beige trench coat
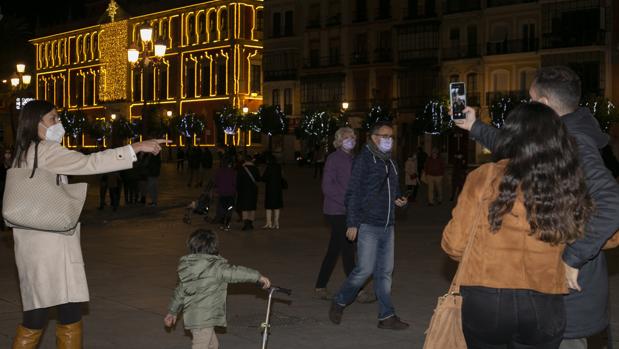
x=50, y=265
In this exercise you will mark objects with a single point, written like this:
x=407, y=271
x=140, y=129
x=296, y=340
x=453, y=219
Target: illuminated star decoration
x=112, y=9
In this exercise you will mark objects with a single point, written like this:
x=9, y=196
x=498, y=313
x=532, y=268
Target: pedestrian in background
x=247, y=192
x=180, y=159
x=225, y=188
x=206, y=164
x=371, y=198
x=274, y=192
x=334, y=184
x=458, y=176
x=154, y=171
x=193, y=159
x=114, y=186
x=411, y=177
x=434, y=170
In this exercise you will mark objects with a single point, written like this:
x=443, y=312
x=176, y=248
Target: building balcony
x=515, y=96
x=334, y=20
x=462, y=52
x=322, y=62
x=281, y=74
x=495, y=3
x=360, y=16
x=473, y=98
x=412, y=13
x=511, y=46
x=332, y=105
x=585, y=37
x=313, y=23
x=383, y=55
x=409, y=55
x=412, y=102
x=455, y=6
x=359, y=58
x=383, y=12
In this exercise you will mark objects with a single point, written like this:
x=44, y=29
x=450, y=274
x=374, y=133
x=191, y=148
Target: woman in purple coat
x=334, y=183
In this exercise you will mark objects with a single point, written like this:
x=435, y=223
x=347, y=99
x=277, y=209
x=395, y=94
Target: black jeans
x=337, y=244
x=68, y=313
x=494, y=318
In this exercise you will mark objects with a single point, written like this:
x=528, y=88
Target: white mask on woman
x=54, y=133
x=348, y=144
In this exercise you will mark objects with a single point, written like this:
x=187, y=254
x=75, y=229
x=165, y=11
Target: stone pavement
x=131, y=257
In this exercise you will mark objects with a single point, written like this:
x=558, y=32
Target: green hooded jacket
x=202, y=289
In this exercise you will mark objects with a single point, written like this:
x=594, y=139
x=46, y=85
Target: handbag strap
x=36, y=158
x=251, y=176
x=455, y=283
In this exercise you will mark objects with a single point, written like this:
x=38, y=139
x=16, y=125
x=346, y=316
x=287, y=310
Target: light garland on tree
x=435, y=119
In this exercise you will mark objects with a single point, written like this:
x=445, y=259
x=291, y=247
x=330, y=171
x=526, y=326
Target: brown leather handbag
x=445, y=329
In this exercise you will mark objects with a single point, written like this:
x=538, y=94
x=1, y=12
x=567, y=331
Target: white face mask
x=54, y=133
x=385, y=144
x=348, y=144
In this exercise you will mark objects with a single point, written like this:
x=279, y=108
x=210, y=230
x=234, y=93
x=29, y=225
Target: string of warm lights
x=112, y=45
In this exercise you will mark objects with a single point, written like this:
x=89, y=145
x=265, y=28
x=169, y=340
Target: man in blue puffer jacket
x=372, y=194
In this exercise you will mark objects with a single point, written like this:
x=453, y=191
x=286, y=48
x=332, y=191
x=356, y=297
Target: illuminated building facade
x=213, y=59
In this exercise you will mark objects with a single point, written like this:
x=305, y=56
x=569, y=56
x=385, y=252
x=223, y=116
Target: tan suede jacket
x=509, y=258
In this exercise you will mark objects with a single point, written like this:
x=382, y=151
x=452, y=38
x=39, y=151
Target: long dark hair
x=544, y=167
x=28, y=128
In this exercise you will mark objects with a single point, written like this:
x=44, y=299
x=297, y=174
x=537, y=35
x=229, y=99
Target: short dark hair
x=203, y=241
x=380, y=124
x=559, y=83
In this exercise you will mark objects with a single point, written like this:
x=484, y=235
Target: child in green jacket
x=201, y=292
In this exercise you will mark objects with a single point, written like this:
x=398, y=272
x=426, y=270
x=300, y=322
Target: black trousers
x=338, y=244
x=68, y=313
x=495, y=318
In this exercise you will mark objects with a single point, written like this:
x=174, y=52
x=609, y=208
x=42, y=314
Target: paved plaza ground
x=131, y=257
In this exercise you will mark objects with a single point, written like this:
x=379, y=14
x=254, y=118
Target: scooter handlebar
x=282, y=290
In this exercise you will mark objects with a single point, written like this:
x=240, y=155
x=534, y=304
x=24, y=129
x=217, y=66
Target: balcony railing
x=584, y=38
x=411, y=13
x=332, y=105
x=313, y=23
x=412, y=102
x=334, y=20
x=360, y=16
x=511, y=46
x=464, y=51
x=493, y=3
x=360, y=57
x=515, y=96
x=383, y=55
x=280, y=74
x=322, y=62
x=383, y=12
x=455, y=6
x=417, y=54
x=473, y=98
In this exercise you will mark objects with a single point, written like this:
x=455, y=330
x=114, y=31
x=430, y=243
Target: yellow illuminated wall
x=113, y=46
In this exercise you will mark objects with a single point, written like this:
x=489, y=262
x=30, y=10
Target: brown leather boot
x=26, y=338
x=69, y=336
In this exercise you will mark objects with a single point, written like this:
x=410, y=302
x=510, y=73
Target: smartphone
x=457, y=100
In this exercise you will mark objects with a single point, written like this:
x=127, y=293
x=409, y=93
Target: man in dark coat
x=587, y=304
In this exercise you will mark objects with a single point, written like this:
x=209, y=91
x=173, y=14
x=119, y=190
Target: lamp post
x=147, y=57
x=344, y=109
x=19, y=83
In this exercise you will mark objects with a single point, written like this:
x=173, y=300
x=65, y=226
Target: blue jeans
x=374, y=257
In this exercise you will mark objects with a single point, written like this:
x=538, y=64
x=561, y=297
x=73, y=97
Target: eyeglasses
x=384, y=136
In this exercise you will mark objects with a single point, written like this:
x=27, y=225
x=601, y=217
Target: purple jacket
x=225, y=182
x=335, y=181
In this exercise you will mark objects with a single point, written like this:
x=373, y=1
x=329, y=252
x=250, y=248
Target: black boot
x=246, y=225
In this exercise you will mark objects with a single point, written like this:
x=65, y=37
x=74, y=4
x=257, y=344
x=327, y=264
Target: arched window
x=201, y=37
x=500, y=81
x=212, y=26
x=223, y=24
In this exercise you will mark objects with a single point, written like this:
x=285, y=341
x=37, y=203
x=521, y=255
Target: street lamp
x=113, y=117
x=20, y=82
x=147, y=56
x=345, y=106
x=245, y=110
x=169, y=113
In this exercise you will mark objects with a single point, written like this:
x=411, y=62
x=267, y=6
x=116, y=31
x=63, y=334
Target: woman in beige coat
x=50, y=265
